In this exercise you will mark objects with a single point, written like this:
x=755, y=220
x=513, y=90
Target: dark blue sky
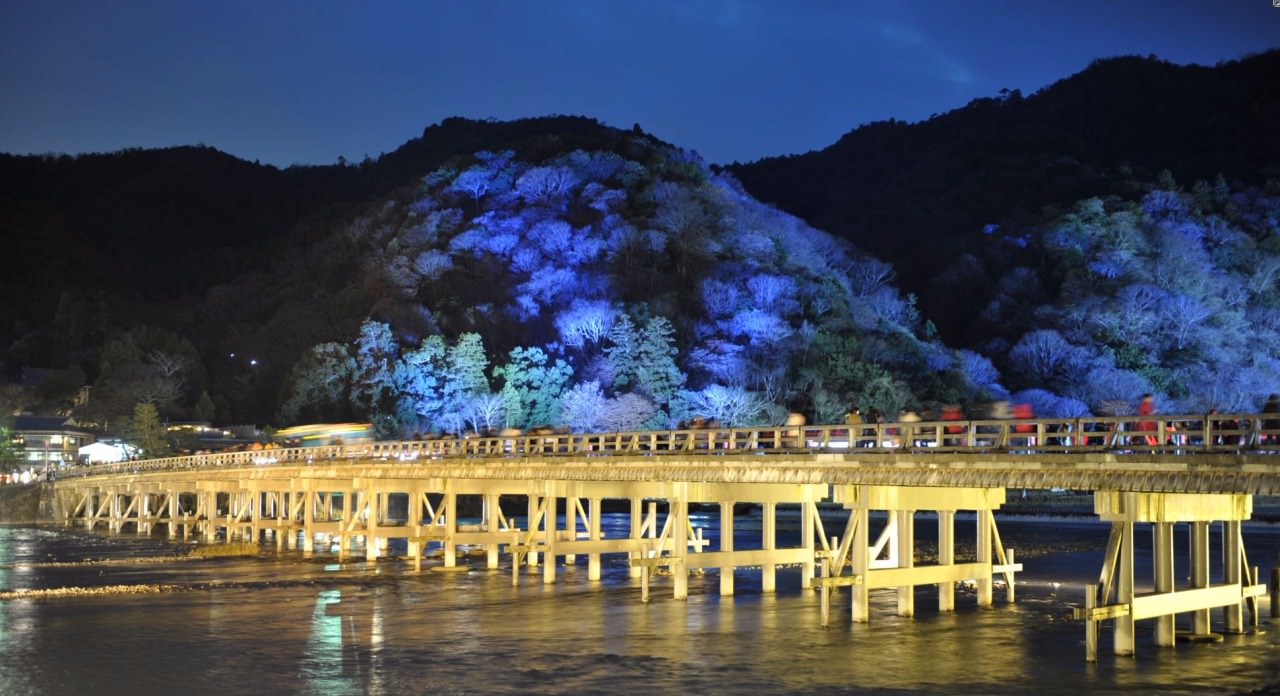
x=307, y=81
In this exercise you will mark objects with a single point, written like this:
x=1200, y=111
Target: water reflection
x=323, y=665
x=288, y=624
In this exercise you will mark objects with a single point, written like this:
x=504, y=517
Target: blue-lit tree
x=532, y=384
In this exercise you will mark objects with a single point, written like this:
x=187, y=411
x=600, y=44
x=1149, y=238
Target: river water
x=282, y=623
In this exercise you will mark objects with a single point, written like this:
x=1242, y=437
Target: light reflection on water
x=283, y=624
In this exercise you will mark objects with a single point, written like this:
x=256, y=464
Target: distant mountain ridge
x=919, y=194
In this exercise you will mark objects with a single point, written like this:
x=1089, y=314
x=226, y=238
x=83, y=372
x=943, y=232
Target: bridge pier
x=1115, y=596
x=890, y=561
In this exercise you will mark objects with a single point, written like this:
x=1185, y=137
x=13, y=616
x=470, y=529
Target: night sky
x=308, y=81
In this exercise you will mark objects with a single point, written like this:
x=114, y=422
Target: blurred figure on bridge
x=1270, y=426
x=1023, y=411
x=853, y=419
x=1147, y=407
x=952, y=412
x=795, y=428
x=907, y=431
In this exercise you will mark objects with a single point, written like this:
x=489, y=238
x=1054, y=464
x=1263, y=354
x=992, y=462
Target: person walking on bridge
x=1147, y=407
x=1270, y=426
x=952, y=412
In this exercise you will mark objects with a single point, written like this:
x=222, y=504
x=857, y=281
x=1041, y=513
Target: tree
x=376, y=352
x=582, y=407
x=432, y=264
x=147, y=432
x=60, y=391
x=1045, y=358
x=467, y=364
x=585, y=322
x=321, y=385
x=485, y=411
x=544, y=184
x=204, y=410
x=532, y=386
x=629, y=411
x=475, y=182
x=656, y=374
x=419, y=379
x=13, y=399
x=731, y=406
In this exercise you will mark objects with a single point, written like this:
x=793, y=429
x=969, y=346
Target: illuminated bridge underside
x=342, y=498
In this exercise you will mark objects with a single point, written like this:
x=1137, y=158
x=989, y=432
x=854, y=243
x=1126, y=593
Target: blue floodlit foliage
x=609, y=290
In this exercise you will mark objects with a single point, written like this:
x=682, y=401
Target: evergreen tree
x=204, y=410
x=657, y=374
x=320, y=386
x=532, y=386
x=147, y=432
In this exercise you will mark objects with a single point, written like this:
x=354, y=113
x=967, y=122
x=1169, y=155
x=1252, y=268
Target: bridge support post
x=769, y=542
x=946, y=556
x=372, y=508
x=1200, y=573
x=1232, y=563
x=257, y=500
x=860, y=558
x=450, y=526
x=593, y=533
x=906, y=532
x=174, y=512
x=1162, y=568
x=345, y=519
x=550, y=529
x=635, y=531
x=208, y=511
x=143, y=526
x=726, y=545
x=491, y=521
x=117, y=512
x=1124, y=641
x=985, y=521
x=678, y=516
x=535, y=506
x=308, y=521
x=572, y=506
x=807, y=515
x=1091, y=594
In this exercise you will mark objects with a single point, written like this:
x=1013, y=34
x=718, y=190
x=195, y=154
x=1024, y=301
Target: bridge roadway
x=1159, y=470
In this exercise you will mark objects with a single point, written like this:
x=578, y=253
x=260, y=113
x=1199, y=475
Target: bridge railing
x=1165, y=434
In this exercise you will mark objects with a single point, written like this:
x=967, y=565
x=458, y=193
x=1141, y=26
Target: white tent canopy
x=103, y=452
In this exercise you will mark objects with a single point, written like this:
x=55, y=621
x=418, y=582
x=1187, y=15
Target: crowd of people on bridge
x=1146, y=430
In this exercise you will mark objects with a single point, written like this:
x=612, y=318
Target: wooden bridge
x=1161, y=470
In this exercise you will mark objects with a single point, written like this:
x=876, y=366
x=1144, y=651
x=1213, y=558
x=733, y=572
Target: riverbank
x=25, y=504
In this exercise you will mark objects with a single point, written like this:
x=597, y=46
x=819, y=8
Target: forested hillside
x=616, y=288
x=922, y=194
x=1115, y=234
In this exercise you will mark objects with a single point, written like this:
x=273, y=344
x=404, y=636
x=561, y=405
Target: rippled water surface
x=280, y=623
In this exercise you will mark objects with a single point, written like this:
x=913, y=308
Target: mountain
x=922, y=194
x=556, y=268
x=102, y=241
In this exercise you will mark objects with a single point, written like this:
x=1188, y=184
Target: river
x=282, y=623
